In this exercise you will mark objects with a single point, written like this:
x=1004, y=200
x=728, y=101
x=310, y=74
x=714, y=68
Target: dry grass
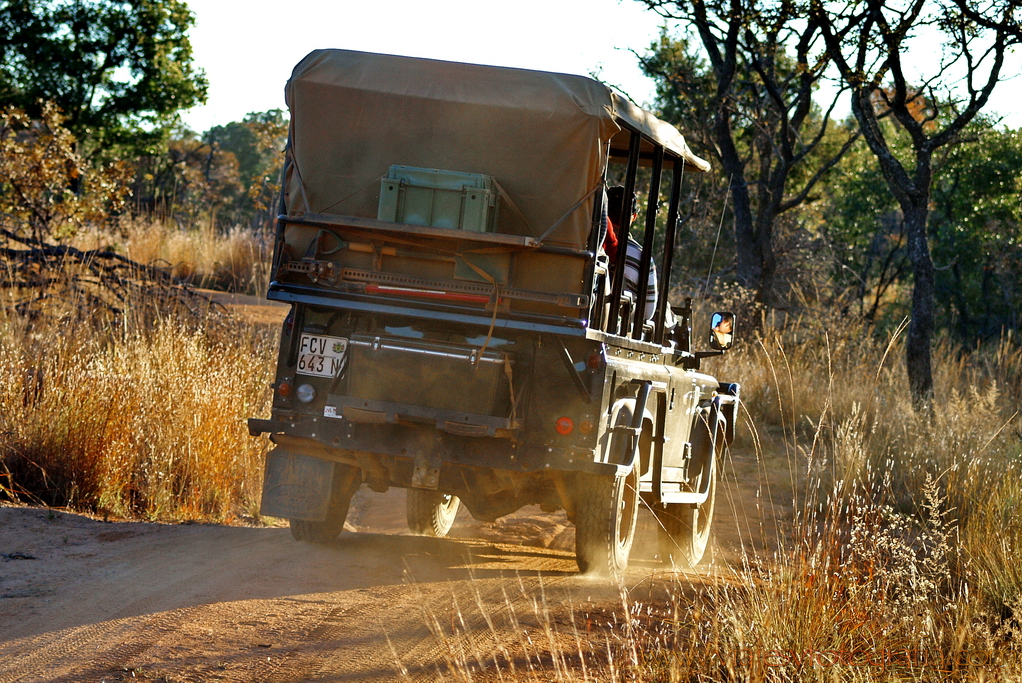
x=236, y=260
x=143, y=418
x=905, y=531
x=143, y=424
x=900, y=558
x=901, y=561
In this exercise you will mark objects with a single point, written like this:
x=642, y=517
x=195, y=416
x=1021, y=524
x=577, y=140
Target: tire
x=431, y=513
x=684, y=530
x=347, y=479
x=606, y=509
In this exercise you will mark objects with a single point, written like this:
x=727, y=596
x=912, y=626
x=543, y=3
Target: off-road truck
x=456, y=326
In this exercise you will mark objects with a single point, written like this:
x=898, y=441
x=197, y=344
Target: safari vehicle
x=456, y=328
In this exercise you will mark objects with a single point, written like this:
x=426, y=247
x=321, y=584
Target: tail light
x=565, y=425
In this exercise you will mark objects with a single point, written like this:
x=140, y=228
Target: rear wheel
x=347, y=479
x=605, y=515
x=431, y=513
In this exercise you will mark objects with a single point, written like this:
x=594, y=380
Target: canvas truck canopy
x=541, y=136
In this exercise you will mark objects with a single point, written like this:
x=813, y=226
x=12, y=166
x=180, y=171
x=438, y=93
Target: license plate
x=322, y=356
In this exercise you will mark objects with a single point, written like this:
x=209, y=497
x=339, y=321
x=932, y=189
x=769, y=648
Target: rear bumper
x=391, y=448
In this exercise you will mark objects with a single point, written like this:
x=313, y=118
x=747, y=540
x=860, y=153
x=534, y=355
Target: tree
x=119, y=70
x=38, y=166
x=230, y=175
x=188, y=179
x=766, y=132
x=43, y=278
x=975, y=228
x=867, y=41
x=257, y=143
x=867, y=235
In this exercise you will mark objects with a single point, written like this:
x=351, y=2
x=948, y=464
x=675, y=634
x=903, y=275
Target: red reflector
x=284, y=389
x=428, y=293
x=565, y=425
x=594, y=360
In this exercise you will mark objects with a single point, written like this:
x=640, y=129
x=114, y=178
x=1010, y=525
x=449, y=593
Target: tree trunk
x=749, y=264
x=764, y=245
x=987, y=297
x=920, y=329
x=960, y=302
x=913, y=195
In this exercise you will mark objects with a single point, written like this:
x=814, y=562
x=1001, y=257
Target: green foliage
x=120, y=70
x=777, y=160
x=862, y=222
x=976, y=233
x=847, y=242
x=975, y=230
x=230, y=176
x=685, y=87
x=47, y=191
x=257, y=143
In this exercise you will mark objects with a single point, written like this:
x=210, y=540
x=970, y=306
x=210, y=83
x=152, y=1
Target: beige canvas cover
x=542, y=136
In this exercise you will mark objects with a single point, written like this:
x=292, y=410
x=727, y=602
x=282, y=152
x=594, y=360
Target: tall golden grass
x=143, y=424
x=136, y=417
x=899, y=559
x=902, y=543
x=237, y=259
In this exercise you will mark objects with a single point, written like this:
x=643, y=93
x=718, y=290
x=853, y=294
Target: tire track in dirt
x=24, y=660
x=110, y=645
x=394, y=628
x=249, y=605
x=158, y=602
x=483, y=624
x=413, y=629
x=334, y=650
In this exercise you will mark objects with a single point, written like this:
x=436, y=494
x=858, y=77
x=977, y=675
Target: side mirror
x=722, y=330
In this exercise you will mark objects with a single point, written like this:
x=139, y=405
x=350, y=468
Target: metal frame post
x=623, y=223
x=646, y=261
x=678, y=174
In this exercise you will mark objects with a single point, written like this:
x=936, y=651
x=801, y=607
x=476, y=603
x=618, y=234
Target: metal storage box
x=441, y=199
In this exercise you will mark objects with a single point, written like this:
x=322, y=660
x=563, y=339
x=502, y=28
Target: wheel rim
x=626, y=513
x=704, y=512
x=446, y=510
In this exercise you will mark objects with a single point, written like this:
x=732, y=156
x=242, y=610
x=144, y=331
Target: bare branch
x=800, y=198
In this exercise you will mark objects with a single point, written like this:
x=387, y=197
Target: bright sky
x=248, y=47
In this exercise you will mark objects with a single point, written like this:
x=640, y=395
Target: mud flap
x=296, y=486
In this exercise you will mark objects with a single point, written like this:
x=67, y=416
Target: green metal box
x=441, y=199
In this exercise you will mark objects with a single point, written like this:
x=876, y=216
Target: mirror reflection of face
x=722, y=327
x=723, y=323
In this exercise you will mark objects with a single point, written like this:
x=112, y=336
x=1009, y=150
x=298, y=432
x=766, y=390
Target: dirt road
x=82, y=599
x=251, y=309
x=86, y=600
